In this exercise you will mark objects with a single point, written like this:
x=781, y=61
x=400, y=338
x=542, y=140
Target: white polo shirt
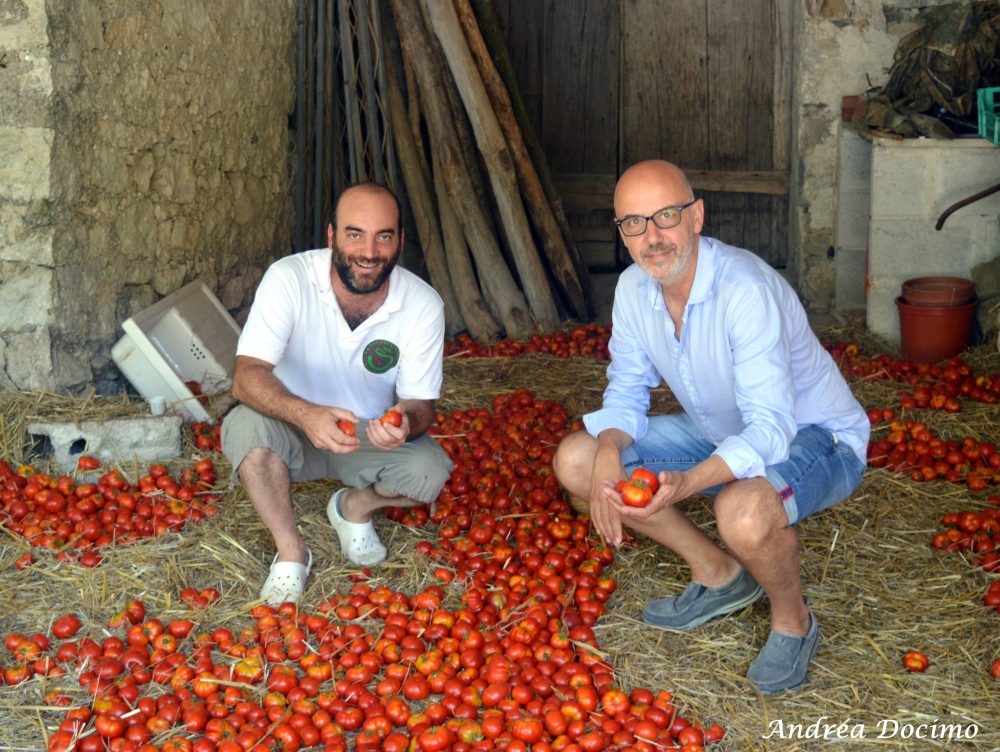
x=296, y=323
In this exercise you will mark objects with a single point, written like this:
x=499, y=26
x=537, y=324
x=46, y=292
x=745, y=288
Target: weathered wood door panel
x=704, y=83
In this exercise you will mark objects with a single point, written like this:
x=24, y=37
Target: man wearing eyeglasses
x=769, y=426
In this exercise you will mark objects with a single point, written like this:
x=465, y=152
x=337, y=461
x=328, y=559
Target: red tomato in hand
x=346, y=426
x=392, y=418
x=648, y=477
x=635, y=493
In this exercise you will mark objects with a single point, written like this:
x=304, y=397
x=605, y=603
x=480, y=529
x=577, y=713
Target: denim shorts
x=819, y=472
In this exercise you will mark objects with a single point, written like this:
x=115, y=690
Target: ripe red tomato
x=392, y=418
x=527, y=730
x=65, y=626
x=636, y=494
x=87, y=463
x=648, y=477
x=995, y=670
x=346, y=426
x=915, y=661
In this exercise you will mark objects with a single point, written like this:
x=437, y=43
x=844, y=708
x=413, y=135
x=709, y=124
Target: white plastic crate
x=187, y=336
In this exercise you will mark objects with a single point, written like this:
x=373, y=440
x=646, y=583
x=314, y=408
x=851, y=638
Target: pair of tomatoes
x=390, y=418
x=638, y=490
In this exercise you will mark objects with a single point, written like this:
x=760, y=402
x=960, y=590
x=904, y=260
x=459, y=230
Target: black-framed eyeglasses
x=665, y=218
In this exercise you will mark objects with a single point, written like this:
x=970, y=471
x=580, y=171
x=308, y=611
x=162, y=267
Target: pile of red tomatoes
x=497, y=652
x=75, y=518
x=583, y=340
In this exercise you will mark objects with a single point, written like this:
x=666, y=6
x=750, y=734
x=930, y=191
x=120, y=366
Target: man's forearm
x=257, y=387
x=420, y=414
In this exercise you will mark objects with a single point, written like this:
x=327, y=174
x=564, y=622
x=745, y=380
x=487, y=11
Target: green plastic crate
x=989, y=119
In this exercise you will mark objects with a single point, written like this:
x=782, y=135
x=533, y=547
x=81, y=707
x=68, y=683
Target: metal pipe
x=965, y=202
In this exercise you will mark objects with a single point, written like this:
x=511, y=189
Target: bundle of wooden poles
x=479, y=189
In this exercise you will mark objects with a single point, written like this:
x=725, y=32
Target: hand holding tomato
x=392, y=418
x=389, y=431
x=603, y=511
x=330, y=428
x=639, y=499
x=638, y=490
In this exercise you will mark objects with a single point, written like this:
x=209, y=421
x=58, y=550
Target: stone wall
x=844, y=47
x=143, y=144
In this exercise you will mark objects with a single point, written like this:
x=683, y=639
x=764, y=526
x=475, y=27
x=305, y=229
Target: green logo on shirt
x=380, y=355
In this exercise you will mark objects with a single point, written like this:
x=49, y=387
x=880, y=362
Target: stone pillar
x=26, y=231
x=143, y=145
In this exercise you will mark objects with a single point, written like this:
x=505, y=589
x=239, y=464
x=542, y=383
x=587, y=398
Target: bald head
x=648, y=186
x=366, y=194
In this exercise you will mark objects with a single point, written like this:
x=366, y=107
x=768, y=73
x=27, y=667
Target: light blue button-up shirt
x=747, y=369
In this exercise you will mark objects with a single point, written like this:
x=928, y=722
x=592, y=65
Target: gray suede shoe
x=784, y=660
x=698, y=604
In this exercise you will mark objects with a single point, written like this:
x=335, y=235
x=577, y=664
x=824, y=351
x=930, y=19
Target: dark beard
x=345, y=271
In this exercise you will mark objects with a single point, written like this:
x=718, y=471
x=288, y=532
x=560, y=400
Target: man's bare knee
x=260, y=460
x=574, y=461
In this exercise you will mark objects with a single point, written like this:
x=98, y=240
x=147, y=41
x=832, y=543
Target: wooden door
x=703, y=83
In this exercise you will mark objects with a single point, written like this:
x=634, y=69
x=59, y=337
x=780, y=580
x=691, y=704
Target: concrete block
x=882, y=317
x=855, y=162
x=904, y=248
x=852, y=220
x=145, y=439
x=963, y=172
x=850, y=282
x=898, y=178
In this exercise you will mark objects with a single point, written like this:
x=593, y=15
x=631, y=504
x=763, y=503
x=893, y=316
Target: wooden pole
x=560, y=263
x=482, y=324
x=422, y=205
x=489, y=26
x=494, y=275
x=366, y=63
x=479, y=313
x=497, y=157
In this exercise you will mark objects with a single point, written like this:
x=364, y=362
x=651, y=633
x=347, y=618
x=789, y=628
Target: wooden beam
x=583, y=193
x=770, y=182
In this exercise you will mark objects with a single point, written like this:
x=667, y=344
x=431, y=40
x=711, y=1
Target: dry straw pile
x=877, y=587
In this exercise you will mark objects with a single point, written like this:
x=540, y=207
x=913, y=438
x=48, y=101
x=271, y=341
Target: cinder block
x=855, y=162
x=852, y=220
x=963, y=172
x=144, y=439
x=902, y=248
x=850, y=281
x=898, y=177
x=882, y=317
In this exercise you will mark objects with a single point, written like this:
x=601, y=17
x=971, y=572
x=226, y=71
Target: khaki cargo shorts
x=417, y=470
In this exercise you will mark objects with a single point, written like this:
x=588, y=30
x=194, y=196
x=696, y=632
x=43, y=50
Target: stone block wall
x=143, y=144
x=843, y=47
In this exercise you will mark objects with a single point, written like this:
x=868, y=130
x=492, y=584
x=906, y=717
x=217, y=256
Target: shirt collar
x=322, y=266
x=704, y=273
x=704, y=277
